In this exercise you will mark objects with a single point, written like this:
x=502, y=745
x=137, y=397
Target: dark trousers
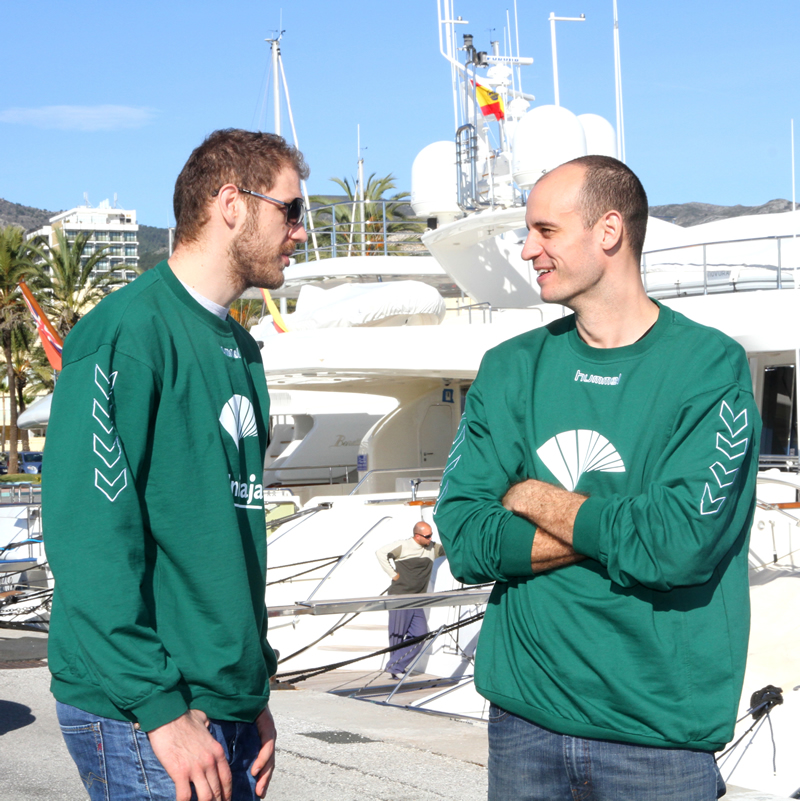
x=403, y=625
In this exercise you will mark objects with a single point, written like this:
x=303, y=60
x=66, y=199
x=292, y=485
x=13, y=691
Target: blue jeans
x=116, y=762
x=528, y=763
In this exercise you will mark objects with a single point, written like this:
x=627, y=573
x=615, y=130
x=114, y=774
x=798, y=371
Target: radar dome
x=601, y=140
x=544, y=138
x=434, y=191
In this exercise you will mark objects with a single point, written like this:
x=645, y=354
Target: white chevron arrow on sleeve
x=104, y=419
x=104, y=452
x=733, y=450
x=708, y=504
x=726, y=413
x=104, y=382
x=724, y=477
x=100, y=481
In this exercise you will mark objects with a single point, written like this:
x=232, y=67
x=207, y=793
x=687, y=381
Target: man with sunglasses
x=155, y=512
x=409, y=563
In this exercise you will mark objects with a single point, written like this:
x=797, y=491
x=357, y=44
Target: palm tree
x=363, y=227
x=70, y=287
x=21, y=341
x=16, y=262
x=41, y=376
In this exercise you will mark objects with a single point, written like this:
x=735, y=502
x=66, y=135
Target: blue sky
x=110, y=98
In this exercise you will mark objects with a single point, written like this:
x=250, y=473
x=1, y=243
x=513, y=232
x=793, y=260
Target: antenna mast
x=618, y=87
x=279, y=75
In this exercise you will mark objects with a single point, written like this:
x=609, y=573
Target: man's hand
x=396, y=577
x=551, y=508
x=191, y=756
x=264, y=764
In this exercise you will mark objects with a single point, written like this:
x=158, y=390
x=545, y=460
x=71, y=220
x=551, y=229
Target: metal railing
x=788, y=463
x=767, y=262
x=484, y=307
x=16, y=492
x=348, y=468
x=361, y=228
x=377, y=470
x=355, y=546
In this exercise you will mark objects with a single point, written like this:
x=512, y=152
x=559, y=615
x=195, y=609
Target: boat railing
x=734, y=265
x=362, y=228
x=348, y=468
x=785, y=463
x=484, y=307
x=353, y=548
x=16, y=492
x=398, y=470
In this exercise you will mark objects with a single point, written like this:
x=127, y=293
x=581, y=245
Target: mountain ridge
x=153, y=241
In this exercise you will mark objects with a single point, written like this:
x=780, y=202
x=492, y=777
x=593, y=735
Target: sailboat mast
x=618, y=88
x=276, y=95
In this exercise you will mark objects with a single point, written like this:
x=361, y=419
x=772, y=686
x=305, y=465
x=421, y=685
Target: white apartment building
x=115, y=228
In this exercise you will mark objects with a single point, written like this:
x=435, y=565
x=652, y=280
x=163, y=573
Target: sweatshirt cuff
x=159, y=708
x=516, y=546
x=586, y=537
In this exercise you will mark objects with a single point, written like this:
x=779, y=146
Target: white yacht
x=738, y=275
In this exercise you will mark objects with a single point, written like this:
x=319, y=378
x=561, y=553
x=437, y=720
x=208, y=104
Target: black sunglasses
x=295, y=209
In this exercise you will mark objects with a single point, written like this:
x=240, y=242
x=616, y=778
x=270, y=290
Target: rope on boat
x=762, y=702
x=316, y=562
x=302, y=675
x=279, y=521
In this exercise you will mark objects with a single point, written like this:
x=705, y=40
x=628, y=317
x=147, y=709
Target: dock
x=330, y=745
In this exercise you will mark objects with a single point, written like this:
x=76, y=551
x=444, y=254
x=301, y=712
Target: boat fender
x=764, y=700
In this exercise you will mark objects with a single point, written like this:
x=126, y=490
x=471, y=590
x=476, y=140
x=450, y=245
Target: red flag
x=51, y=341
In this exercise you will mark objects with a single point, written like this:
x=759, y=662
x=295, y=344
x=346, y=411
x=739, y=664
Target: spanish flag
x=490, y=102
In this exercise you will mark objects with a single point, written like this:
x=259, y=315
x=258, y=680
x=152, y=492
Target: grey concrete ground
x=329, y=747
x=334, y=748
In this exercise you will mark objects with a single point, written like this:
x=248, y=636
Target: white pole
x=552, y=19
x=794, y=214
x=304, y=186
x=509, y=49
x=618, y=86
x=361, y=196
x=516, y=30
x=276, y=99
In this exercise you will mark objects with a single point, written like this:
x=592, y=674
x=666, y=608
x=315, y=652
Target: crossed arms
x=553, y=511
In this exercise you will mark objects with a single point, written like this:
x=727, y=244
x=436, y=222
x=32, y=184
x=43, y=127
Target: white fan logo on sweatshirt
x=239, y=419
x=570, y=454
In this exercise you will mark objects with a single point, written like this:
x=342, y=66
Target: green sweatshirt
x=645, y=641
x=153, y=511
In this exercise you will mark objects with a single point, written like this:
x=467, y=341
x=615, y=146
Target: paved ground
x=329, y=747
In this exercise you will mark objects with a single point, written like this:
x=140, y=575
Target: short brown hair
x=248, y=159
x=610, y=185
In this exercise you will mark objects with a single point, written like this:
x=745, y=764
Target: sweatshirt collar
x=632, y=351
x=210, y=319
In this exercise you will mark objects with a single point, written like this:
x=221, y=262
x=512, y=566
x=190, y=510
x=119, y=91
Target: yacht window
x=779, y=412
x=464, y=391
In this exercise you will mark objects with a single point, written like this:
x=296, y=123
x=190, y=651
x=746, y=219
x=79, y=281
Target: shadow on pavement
x=14, y=716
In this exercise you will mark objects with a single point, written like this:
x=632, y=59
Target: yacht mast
x=618, y=88
x=278, y=76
